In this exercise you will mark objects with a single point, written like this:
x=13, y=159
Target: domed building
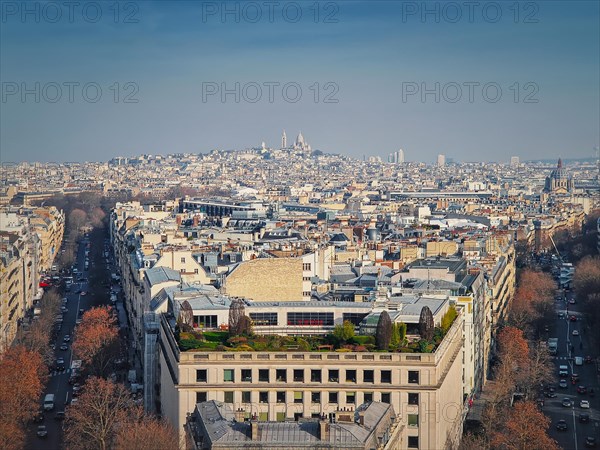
x=559, y=181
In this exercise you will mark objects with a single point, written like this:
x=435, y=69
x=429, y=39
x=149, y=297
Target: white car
x=585, y=404
x=575, y=333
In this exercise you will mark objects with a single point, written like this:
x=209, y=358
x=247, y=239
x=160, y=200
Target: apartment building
x=280, y=386
x=29, y=242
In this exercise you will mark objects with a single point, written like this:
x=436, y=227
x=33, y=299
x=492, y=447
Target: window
x=306, y=266
x=263, y=416
x=247, y=375
x=201, y=376
x=195, y=270
x=355, y=318
x=182, y=260
x=413, y=399
x=299, y=375
x=281, y=375
x=333, y=397
x=228, y=375
x=351, y=397
x=351, y=376
x=280, y=417
x=205, y=321
x=263, y=375
x=315, y=375
x=298, y=397
x=413, y=441
x=228, y=396
x=306, y=293
x=246, y=397
x=200, y=397
x=310, y=318
x=386, y=376
x=386, y=397
x=368, y=397
x=334, y=376
x=369, y=376
x=413, y=376
x=263, y=397
x=280, y=398
x=264, y=319
x=413, y=420
x=315, y=397
x=306, y=278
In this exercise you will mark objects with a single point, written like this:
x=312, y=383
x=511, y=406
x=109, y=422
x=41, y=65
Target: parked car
x=67, y=338
x=60, y=415
x=39, y=417
x=573, y=318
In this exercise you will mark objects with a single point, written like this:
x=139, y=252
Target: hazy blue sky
x=372, y=54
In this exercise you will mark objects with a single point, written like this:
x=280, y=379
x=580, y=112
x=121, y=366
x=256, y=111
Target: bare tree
x=186, y=315
x=236, y=312
x=102, y=408
x=133, y=434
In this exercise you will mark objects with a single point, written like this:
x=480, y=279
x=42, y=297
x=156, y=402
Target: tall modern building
x=441, y=160
x=400, y=156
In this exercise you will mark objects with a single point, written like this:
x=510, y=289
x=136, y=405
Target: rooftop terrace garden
x=389, y=337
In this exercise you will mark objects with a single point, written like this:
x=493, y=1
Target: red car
x=573, y=319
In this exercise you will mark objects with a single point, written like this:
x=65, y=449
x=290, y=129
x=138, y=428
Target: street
x=569, y=347
x=58, y=380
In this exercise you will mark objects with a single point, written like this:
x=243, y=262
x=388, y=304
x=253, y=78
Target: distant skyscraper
x=283, y=140
x=400, y=157
x=514, y=161
x=441, y=160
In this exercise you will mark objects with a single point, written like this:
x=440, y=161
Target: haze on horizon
x=357, y=64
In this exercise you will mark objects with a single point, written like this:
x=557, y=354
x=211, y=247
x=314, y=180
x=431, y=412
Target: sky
x=88, y=81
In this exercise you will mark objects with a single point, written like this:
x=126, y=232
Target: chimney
x=254, y=429
x=323, y=429
x=239, y=415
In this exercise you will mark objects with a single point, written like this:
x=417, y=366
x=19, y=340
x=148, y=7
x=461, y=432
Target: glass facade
x=310, y=319
x=264, y=319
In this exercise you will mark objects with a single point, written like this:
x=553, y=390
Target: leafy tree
x=96, y=341
x=22, y=375
x=395, y=339
x=426, y=325
x=102, y=409
x=448, y=318
x=383, y=333
x=525, y=428
x=344, y=332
